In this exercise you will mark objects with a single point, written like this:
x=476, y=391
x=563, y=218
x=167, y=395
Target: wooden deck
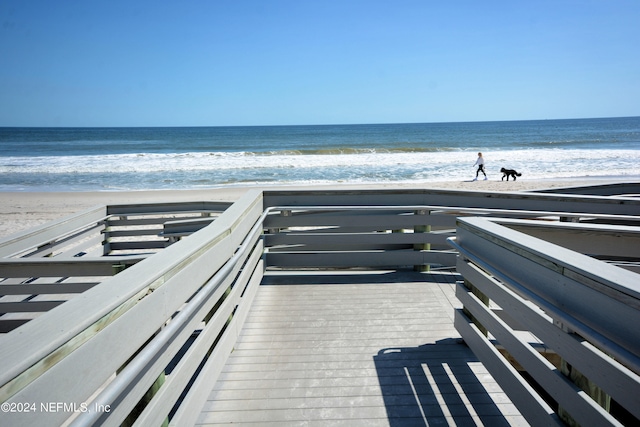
x=334, y=344
x=374, y=349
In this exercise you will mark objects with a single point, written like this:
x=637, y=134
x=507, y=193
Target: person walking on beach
x=480, y=164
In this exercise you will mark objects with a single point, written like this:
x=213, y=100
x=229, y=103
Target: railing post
x=283, y=212
x=482, y=297
x=422, y=246
x=588, y=386
x=106, y=239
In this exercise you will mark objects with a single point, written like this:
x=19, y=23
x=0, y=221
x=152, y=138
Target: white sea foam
x=180, y=170
x=535, y=159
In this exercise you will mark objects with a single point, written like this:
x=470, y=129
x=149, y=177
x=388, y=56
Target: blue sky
x=219, y=63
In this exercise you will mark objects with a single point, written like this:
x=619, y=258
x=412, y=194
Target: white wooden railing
x=91, y=360
x=144, y=342
x=544, y=316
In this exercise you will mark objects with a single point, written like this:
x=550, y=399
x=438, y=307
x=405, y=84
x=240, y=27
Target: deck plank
x=344, y=349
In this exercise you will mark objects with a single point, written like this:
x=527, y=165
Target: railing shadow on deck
x=430, y=384
x=426, y=385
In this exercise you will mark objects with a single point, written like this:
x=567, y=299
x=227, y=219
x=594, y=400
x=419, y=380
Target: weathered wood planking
x=346, y=349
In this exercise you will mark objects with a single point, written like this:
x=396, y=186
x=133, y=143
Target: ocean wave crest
x=201, y=168
x=335, y=151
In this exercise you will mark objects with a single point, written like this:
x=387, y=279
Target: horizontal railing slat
x=55, y=267
x=375, y=222
x=541, y=271
x=8, y=325
x=43, y=289
x=583, y=409
x=82, y=312
x=49, y=232
x=28, y=306
x=155, y=365
x=132, y=233
x=615, y=379
x=455, y=199
x=583, y=311
x=522, y=394
x=363, y=259
x=163, y=208
x=248, y=283
x=597, y=239
x=338, y=240
x=138, y=245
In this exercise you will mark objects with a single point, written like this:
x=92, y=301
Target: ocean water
x=90, y=159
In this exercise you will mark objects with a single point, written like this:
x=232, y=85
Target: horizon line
x=321, y=124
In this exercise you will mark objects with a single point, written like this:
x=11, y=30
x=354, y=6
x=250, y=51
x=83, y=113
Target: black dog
x=509, y=172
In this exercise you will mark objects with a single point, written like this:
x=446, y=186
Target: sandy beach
x=20, y=211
